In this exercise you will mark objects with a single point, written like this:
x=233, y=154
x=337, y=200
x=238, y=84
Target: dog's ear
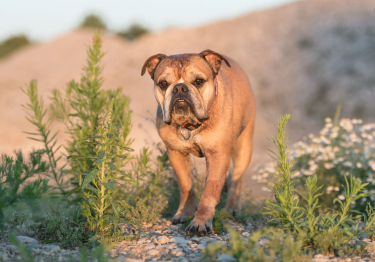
x=214, y=59
x=151, y=63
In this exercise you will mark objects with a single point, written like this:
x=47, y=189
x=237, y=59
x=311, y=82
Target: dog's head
x=184, y=85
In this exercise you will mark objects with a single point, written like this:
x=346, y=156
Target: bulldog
x=206, y=108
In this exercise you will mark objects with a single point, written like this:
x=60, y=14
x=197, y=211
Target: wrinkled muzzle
x=181, y=103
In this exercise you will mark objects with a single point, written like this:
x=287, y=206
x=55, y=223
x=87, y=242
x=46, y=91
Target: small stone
x=177, y=252
x=366, y=240
x=45, y=253
x=201, y=247
x=54, y=248
x=27, y=240
x=204, y=240
x=4, y=256
x=168, y=223
x=149, y=246
x=178, y=240
x=245, y=234
x=153, y=252
x=141, y=240
x=163, y=240
x=319, y=255
x=133, y=260
x=11, y=248
x=226, y=258
x=320, y=259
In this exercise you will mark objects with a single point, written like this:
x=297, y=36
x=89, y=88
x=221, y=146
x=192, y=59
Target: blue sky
x=46, y=19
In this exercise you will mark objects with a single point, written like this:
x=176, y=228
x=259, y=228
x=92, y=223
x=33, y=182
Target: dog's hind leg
x=241, y=156
x=182, y=166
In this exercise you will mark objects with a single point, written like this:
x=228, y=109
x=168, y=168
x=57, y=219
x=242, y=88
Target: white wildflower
x=328, y=165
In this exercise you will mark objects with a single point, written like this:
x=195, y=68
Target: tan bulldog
x=207, y=109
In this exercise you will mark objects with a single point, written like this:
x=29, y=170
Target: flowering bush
x=340, y=150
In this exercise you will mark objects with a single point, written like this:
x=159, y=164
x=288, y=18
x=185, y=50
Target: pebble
x=54, y=249
x=201, y=247
x=149, y=246
x=163, y=240
x=246, y=234
x=153, y=252
x=27, y=240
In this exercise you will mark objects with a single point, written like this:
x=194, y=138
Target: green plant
x=59, y=226
x=12, y=44
x=265, y=245
x=326, y=232
x=102, y=211
x=14, y=174
x=36, y=116
x=343, y=147
x=82, y=108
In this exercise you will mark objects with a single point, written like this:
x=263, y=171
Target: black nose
x=180, y=88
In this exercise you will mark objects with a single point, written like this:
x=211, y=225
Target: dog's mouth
x=182, y=110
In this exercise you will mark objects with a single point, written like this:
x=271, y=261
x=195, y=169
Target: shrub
x=12, y=44
x=101, y=182
x=133, y=32
x=325, y=232
x=14, y=174
x=342, y=149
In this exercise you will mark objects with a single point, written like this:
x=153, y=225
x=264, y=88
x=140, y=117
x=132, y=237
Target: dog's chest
x=189, y=146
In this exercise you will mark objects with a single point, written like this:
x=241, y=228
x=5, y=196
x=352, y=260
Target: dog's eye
x=163, y=84
x=198, y=82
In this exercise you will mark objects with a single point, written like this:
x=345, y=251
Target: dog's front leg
x=182, y=166
x=217, y=167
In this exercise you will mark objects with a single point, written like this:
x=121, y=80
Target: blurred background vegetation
x=94, y=21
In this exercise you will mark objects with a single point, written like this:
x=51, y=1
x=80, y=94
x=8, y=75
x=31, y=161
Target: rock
x=226, y=258
x=201, y=247
x=320, y=259
x=133, y=260
x=168, y=223
x=204, y=240
x=54, y=248
x=163, y=240
x=178, y=240
x=4, y=256
x=27, y=240
x=11, y=248
x=141, y=240
x=149, y=246
x=153, y=252
x=177, y=252
x=245, y=234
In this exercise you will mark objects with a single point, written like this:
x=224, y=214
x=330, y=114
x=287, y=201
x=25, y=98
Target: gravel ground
x=159, y=242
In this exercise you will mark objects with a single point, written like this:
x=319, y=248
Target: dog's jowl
x=207, y=109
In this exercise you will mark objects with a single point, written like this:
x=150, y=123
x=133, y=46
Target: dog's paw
x=199, y=227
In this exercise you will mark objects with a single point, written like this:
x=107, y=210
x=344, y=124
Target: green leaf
x=89, y=178
x=110, y=185
x=101, y=154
